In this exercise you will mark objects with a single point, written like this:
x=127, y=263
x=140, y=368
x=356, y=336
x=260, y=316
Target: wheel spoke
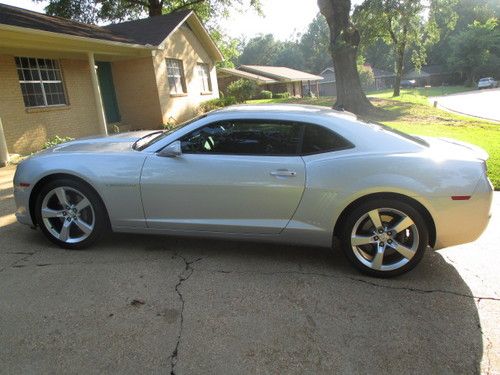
x=84, y=227
x=403, y=250
x=375, y=218
x=361, y=240
x=403, y=224
x=61, y=196
x=49, y=213
x=64, y=234
x=82, y=204
x=378, y=259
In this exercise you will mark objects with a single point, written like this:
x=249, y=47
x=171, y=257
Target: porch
x=66, y=85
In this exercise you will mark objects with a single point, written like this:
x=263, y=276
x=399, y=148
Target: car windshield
x=152, y=138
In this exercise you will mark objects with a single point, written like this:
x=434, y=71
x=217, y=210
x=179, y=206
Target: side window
x=318, y=139
x=176, y=77
x=244, y=138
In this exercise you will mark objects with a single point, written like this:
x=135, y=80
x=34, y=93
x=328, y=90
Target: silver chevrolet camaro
x=284, y=173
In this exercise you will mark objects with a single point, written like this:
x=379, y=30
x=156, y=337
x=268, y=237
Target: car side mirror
x=173, y=150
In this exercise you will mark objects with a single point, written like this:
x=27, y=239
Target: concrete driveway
x=137, y=304
x=478, y=103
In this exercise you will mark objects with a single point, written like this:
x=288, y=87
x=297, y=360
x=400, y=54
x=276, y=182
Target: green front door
x=105, y=76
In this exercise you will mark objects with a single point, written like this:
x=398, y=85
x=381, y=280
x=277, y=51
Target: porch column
x=101, y=117
x=4, y=153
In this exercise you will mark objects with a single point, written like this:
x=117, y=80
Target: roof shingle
x=145, y=31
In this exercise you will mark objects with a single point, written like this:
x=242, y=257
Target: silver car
x=488, y=82
x=284, y=173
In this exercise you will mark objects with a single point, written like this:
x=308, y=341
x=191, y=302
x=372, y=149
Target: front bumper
x=22, y=198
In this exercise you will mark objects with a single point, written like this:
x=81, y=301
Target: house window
x=41, y=82
x=176, y=78
x=204, y=75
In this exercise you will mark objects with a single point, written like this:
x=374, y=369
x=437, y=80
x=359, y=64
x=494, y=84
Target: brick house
x=60, y=77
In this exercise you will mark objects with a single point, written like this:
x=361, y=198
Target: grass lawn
x=412, y=114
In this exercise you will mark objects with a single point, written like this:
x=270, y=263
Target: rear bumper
x=463, y=221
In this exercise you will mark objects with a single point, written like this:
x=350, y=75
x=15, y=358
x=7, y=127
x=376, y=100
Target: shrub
x=282, y=95
x=210, y=105
x=242, y=90
x=265, y=94
x=54, y=141
x=366, y=75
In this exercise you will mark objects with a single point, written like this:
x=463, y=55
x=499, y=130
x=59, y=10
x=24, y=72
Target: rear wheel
x=70, y=214
x=384, y=237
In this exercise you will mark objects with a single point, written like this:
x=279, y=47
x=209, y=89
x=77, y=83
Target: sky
x=283, y=18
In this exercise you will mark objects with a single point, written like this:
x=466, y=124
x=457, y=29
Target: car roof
x=285, y=109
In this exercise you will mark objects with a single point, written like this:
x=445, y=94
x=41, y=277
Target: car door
x=237, y=176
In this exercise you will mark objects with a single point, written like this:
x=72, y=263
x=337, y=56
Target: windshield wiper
x=134, y=146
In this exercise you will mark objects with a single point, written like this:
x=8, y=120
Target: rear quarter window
x=318, y=139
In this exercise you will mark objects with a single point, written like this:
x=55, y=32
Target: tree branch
x=391, y=32
x=187, y=5
x=139, y=2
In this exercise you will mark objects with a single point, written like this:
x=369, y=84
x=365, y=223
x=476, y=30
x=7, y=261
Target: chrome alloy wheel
x=68, y=215
x=384, y=239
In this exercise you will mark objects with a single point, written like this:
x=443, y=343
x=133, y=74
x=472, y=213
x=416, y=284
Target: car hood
x=111, y=143
x=448, y=147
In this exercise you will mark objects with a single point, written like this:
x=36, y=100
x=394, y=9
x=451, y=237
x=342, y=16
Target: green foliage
x=210, y=105
x=406, y=25
x=261, y=50
x=467, y=12
x=101, y=11
x=315, y=45
x=366, y=75
x=310, y=52
x=475, y=47
x=230, y=48
x=282, y=95
x=242, y=90
x=265, y=94
x=56, y=140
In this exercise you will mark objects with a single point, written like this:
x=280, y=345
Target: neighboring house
x=276, y=79
x=430, y=75
x=382, y=80
x=60, y=77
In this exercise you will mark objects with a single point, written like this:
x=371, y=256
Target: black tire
x=390, y=211
x=96, y=209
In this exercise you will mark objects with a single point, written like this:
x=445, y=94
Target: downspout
x=101, y=117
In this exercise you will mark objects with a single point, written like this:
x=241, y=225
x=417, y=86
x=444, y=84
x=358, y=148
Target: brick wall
x=183, y=45
x=136, y=93
x=26, y=130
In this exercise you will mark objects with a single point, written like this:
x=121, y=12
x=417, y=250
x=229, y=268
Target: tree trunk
x=400, y=59
x=344, y=41
x=155, y=8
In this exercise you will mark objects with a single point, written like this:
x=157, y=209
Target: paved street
x=479, y=103
x=137, y=304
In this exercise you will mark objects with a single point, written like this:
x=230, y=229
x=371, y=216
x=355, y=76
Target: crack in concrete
x=24, y=258
x=183, y=276
x=368, y=282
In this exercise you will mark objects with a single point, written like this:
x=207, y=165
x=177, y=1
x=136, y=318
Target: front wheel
x=384, y=237
x=70, y=214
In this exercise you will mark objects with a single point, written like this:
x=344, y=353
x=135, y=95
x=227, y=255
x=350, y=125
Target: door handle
x=283, y=173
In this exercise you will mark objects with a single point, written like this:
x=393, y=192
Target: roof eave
x=27, y=30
